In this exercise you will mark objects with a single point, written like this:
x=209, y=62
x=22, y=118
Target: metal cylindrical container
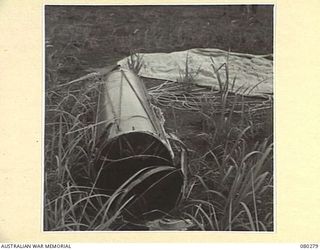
x=133, y=151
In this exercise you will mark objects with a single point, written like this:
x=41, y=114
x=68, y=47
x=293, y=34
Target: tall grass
x=135, y=62
x=227, y=187
x=232, y=182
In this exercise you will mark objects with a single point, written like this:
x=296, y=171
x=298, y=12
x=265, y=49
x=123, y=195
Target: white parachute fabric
x=247, y=74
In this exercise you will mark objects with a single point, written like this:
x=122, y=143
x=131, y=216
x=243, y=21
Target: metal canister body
x=131, y=144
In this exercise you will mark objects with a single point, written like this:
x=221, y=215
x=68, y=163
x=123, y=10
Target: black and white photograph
x=158, y=118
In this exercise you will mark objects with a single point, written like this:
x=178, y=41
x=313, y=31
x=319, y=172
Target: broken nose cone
x=134, y=157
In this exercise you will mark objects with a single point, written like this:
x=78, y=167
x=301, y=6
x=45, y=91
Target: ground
x=89, y=37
